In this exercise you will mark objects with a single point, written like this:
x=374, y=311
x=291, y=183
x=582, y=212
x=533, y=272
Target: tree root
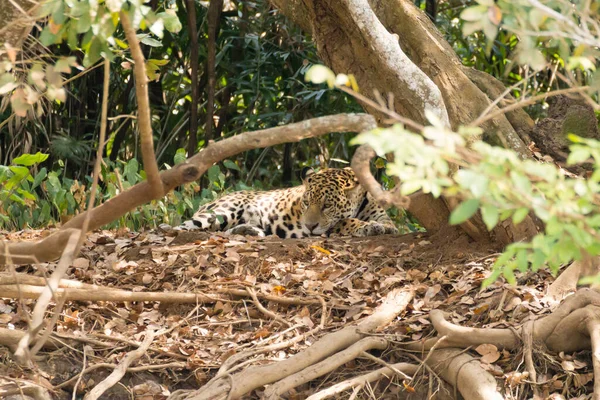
x=362, y=380
x=464, y=373
x=324, y=352
x=573, y=326
x=121, y=369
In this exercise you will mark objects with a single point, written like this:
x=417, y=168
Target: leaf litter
x=346, y=277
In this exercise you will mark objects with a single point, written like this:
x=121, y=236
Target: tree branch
x=51, y=247
x=144, y=116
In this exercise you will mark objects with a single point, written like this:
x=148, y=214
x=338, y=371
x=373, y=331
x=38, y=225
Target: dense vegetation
x=261, y=59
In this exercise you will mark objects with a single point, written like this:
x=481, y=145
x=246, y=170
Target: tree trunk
x=16, y=24
x=391, y=45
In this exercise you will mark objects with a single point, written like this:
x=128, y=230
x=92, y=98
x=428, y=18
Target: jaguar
x=328, y=202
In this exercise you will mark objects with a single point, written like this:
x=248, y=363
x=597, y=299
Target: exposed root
x=464, y=373
x=328, y=348
x=121, y=369
x=573, y=326
x=361, y=380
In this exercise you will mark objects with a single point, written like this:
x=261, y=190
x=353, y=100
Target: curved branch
x=51, y=247
x=360, y=165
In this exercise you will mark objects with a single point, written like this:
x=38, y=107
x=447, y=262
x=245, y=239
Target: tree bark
x=420, y=69
x=16, y=22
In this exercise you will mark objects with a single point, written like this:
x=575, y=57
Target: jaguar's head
x=330, y=196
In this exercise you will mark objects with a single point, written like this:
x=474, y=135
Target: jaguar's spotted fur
x=330, y=201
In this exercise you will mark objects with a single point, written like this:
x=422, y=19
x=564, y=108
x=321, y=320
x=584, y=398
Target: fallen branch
x=51, y=247
x=47, y=293
x=263, y=310
x=70, y=290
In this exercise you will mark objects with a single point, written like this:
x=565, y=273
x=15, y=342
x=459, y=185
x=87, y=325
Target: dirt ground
x=347, y=275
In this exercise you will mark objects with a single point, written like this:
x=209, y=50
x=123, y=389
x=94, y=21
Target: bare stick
x=263, y=310
x=144, y=117
x=389, y=366
x=78, y=377
x=99, y=152
x=321, y=368
x=360, y=166
x=45, y=296
x=361, y=380
x=527, y=102
x=121, y=369
x=228, y=365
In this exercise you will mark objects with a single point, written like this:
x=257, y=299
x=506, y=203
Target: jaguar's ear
x=306, y=172
x=350, y=171
x=354, y=191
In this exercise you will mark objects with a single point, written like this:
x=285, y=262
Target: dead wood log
x=237, y=385
x=51, y=247
x=68, y=290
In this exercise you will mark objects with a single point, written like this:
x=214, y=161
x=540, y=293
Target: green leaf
x=172, y=23
x=150, y=41
x=578, y=155
x=213, y=174
x=40, y=176
x=20, y=173
x=47, y=37
x=464, y=211
x=7, y=83
x=231, y=165
x=179, y=156
x=520, y=215
x=93, y=53
x=490, y=215
x=509, y=274
x=521, y=260
x=538, y=259
x=30, y=159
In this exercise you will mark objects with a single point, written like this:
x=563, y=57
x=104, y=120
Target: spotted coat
x=328, y=202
